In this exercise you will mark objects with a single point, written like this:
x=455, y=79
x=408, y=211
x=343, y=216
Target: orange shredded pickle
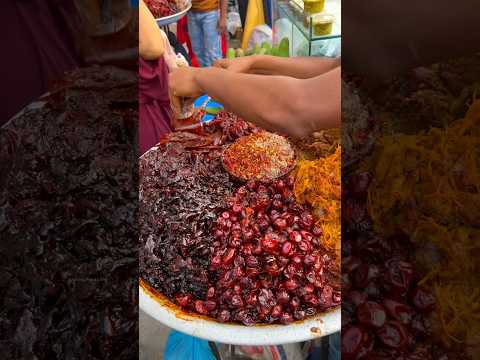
x=428, y=186
x=318, y=184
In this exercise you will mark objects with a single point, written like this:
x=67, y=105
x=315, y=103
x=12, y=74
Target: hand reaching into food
x=298, y=67
x=184, y=87
x=280, y=103
x=238, y=65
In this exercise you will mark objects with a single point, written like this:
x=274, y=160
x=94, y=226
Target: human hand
x=222, y=24
x=183, y=87
x=168, y=54
x=239, y=65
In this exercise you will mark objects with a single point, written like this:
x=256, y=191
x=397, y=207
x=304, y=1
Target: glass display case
x=309, y=33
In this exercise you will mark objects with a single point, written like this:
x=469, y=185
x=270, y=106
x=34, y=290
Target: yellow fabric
x=255, y=17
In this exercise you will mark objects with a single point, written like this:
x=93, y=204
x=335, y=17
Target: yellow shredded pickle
x=428, y=186
x=318, y=184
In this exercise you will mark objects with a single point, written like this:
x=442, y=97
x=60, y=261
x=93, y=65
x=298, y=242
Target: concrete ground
x=153, y=337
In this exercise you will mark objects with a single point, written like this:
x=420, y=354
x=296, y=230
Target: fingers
x=176, y=104
x=221, y=63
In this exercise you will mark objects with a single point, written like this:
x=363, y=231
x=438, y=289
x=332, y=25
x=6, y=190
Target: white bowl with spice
x=169, y=314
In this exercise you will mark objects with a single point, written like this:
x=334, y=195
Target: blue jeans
x=205, y=38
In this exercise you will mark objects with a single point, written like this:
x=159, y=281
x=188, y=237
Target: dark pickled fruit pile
x=68, y=224
x=385, y=311
x=181, y=190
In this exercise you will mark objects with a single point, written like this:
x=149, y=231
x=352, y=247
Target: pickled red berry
x=252, y=261
x=307, y=220
x=421, y=326
x=201, y=307
x=364, y=274
x=286, y=318
x=211, y=292
x=210, y=305
x=290, y=181
x=277, y=204
x=287, y=248
x=228, y=257
x=280, y=224
x=399, y=274
x=237, y=301
x=282, y=296
x=183, y=300
x=306, y=236
x=423, y=300
x=304, y=246
x=224, y=316
x=237, y=208
x=353, y=338
x=358, y=184
x=346, y=318
x=251, y=185
x=297, y=259
x=309, y=259
x=349, y=264
x=276, y=311
x=398, y=311
x=291, y=284
x=371, y=314
x=393, y=334
x=311, y=299
x=373, y=290
x=279, y=185
x=317, y=231
x=219, y=234
x=269, y=244
x=295, y=236
x=357, y=298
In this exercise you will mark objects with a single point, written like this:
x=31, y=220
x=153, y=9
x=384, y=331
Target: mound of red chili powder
x=261, y=155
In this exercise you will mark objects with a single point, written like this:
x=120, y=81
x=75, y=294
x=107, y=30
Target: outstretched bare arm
x=295, y=107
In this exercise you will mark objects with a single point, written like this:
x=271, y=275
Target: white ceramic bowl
x=170, y=315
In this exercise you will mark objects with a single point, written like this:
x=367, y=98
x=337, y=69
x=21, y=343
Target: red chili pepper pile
x=259, y=156
x=161, y=8
x=230, y=126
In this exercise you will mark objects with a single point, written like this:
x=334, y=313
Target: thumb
x=176, y=104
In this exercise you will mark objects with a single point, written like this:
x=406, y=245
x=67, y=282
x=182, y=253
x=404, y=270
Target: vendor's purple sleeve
x=155, y=110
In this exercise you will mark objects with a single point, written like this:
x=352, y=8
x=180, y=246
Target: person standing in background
x=207, y=21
